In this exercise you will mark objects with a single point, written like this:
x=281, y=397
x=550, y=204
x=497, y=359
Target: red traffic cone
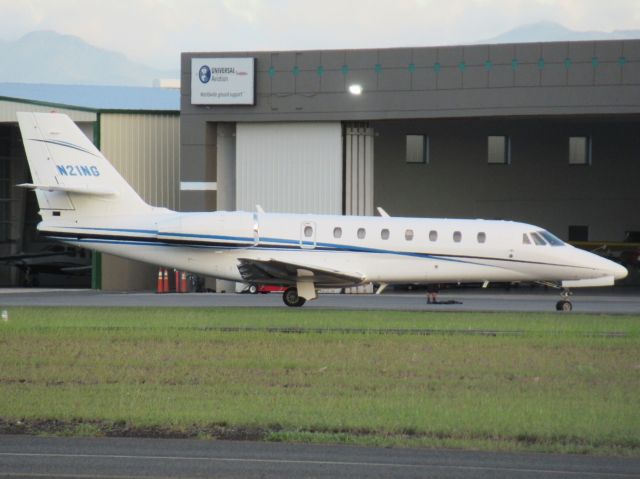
x=183, y=283
x=165, y=280
x=160, y=284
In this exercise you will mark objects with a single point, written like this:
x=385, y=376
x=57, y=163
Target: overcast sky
x=154, y=32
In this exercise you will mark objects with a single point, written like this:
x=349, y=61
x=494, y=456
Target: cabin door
x=256, y=231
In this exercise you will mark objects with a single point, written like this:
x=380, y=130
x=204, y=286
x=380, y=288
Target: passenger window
x=457, y=236
x=308, y=231
x=525, y=239
x=537, y=239
x=433, y=235
x=337, y=232
x=408, y=235
x=361, y=233
x=384, y=234
x=482, y=237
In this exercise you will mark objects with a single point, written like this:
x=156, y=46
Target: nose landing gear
x=564, y=304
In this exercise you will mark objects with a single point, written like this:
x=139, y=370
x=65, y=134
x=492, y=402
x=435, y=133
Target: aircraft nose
x=619, y=271
x=612, y=268
x=603, y=266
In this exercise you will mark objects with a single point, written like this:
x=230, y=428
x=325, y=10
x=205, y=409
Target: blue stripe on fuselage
x=323, y=247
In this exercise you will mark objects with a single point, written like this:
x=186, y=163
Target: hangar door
x=289, y=167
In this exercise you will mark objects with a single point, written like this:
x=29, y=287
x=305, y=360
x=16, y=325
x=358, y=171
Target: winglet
x=382, y=212
x=259, y=209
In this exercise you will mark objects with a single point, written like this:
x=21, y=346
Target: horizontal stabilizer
x=80, y=190
x=589, y=283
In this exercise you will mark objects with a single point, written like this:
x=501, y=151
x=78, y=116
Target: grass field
x=559, y=385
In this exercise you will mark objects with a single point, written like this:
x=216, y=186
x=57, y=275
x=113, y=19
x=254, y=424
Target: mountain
x=554, y=32
x=49, y=57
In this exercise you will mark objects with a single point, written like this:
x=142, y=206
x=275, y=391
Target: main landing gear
x=564, y=304
x=291, y=298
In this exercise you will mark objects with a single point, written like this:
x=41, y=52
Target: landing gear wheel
x=291, y=298
x=564, y=304
x=253, y=289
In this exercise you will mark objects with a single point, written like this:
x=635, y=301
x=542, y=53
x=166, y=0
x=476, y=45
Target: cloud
x=156, y=31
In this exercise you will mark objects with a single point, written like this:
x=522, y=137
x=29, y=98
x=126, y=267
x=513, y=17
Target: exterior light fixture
x=355, y=89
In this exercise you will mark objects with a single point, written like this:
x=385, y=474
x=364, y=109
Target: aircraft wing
x=279, y=272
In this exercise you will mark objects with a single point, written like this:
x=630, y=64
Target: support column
x=13, y=168
x=198, y=157
x=226, y=166
x=226, y=181
x=96, y=257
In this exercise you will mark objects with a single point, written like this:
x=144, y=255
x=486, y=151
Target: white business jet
x=85, y=202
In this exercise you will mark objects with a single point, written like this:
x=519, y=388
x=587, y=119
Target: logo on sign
x=222, y=81
x=204, y=74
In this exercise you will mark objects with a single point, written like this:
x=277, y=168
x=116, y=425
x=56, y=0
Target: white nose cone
x=600, y=267
x=619, y=271
x=611, y=268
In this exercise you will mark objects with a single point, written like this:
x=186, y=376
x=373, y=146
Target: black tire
x=253, y=289
x=563, y=305
x=291, y=298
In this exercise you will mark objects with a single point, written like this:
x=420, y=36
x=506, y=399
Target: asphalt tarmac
x=604, y=300
x=61, y=457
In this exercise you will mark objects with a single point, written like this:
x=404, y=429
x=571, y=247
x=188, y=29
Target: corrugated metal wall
x=145, y=149
x=359, y=169
x=289, y=167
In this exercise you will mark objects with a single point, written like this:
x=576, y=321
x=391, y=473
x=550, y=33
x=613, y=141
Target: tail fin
x=69, y=172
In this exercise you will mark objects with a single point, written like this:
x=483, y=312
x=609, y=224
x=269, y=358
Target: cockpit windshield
x=542, y=238
x=551, y=239
x=537, y=239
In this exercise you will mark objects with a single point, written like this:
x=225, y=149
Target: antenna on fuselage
x=382, y=212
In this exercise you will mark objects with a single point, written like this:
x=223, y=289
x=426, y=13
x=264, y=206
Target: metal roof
x=93, y=97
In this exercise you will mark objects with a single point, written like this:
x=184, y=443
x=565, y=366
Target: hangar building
x=545, y=133
x=138, y=131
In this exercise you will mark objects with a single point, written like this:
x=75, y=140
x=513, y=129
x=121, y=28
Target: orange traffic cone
x=165, y=280
x=160, y=284
x=183, y=283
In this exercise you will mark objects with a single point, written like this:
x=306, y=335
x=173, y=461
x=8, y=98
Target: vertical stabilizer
x=69, y=172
